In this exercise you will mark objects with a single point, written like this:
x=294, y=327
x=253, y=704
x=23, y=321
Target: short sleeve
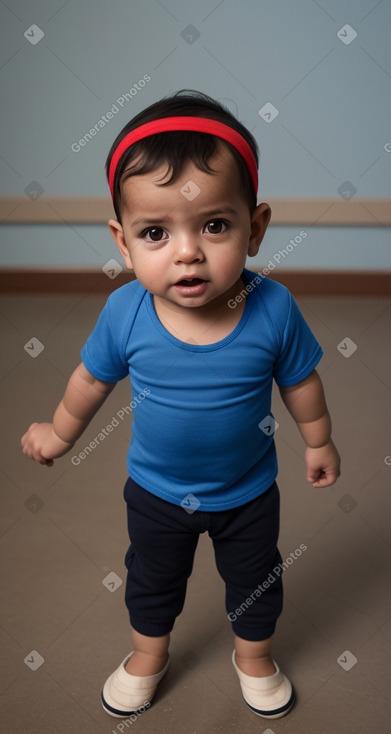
x=101, y=354
x=299, y=350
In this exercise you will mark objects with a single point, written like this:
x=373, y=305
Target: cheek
x=232, y=251
x=138, y=255
x=148, y=265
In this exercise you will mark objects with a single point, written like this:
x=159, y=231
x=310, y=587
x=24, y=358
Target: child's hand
x=42, y=444
x=323, y=465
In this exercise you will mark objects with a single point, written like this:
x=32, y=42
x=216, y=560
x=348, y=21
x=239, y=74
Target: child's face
x=199, y=227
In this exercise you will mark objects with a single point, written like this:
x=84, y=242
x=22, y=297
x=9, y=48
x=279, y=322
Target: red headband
x=196, y=124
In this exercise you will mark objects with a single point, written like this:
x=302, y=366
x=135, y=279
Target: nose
x=188, y=249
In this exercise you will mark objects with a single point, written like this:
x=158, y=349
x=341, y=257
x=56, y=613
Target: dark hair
x=177, y=148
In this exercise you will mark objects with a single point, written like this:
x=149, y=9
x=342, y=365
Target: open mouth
x=191, y=286
x=190, y=282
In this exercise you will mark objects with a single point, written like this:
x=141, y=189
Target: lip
x=189, y=276
x=191, y=290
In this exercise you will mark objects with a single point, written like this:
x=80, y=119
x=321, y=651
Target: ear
x=259, y=224
x=117, y=234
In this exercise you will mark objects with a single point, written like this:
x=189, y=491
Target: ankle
x=144, y=664
x=260, y=666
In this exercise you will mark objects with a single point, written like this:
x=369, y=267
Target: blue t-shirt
x=198, y=430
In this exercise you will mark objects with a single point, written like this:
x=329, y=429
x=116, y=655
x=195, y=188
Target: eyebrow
x=209, y=213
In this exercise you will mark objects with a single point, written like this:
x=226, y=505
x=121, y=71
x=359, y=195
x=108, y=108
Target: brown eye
x=154, y=234
x=216, y=226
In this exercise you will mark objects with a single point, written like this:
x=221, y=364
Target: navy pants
x=160, y=558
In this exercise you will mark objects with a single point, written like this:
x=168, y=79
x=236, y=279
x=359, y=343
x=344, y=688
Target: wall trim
x=19, y=281
x=285, y=212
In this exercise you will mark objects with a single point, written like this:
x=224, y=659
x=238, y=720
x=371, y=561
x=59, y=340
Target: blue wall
x=98, y=57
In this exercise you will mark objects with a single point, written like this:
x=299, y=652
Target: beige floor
x=63, y=532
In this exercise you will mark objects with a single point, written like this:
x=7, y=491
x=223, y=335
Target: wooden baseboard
x=308, y=212
x=299, y=282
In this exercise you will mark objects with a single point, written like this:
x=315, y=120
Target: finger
x=331, y=478
x=26, y=450
x=35, y=455
x=41, y=460
x=313, y=475
x=319, y=484
x=326, y=480
x=24, y=440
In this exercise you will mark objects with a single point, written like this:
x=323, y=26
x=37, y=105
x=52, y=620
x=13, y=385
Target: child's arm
x=83, y=397
x=306, y=404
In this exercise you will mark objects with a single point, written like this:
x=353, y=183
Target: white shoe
x=124, y=694
x=270, y=697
